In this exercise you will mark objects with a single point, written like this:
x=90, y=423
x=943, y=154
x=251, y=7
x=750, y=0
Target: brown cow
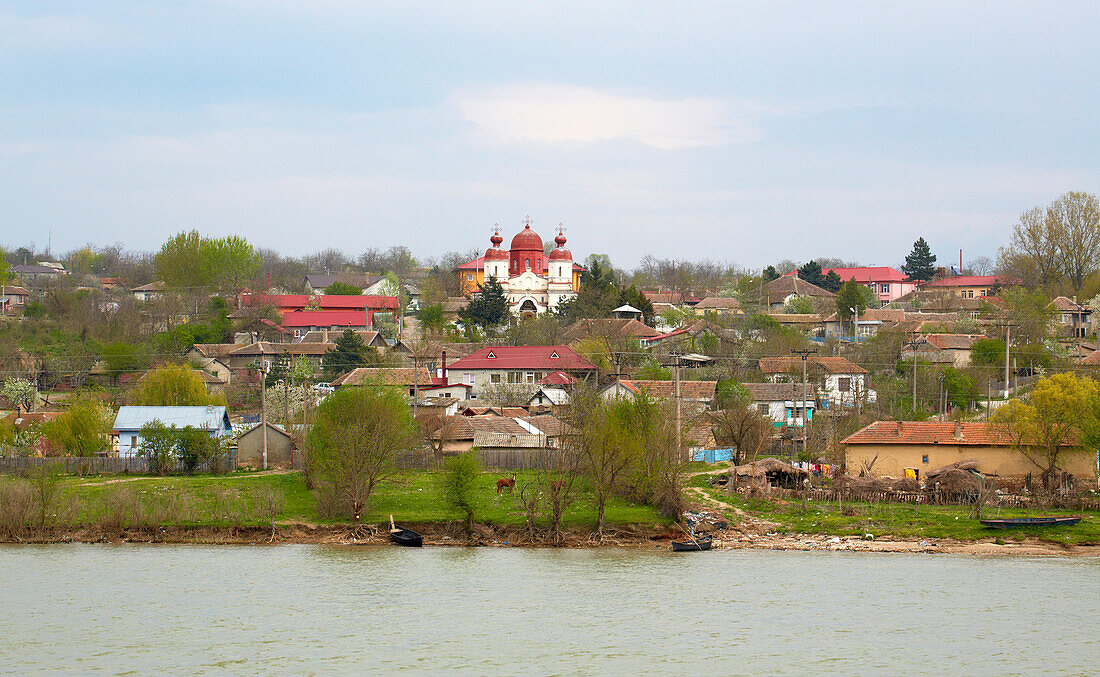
x=506, y=484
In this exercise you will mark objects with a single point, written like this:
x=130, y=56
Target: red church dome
x=495, y=253
x=527, y=240
x=561, y=253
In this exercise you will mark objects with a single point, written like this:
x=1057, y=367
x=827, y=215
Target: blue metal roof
x=209, y=418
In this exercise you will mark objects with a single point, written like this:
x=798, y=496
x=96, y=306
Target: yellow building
x=887, y=448
x=968, y=286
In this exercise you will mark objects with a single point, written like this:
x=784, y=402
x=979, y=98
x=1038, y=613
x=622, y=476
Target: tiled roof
x=929, y=432
x=831, y=365
x=15, y=290
x=549, y=425
x=384, y=376
x=524, y=357
x=1093, y=360
x=216, y=349
x=267, y=348
x=689, y=390
x=1067, y=305
x=954, y=341
x=328, y=336
x=796, y=318
x=325, y=318
x=557, y=378
x=778, y=392
x=719, y=302
x=781, y=288
x=325, y=301
x=157, y=285
x=669, y=297
x=966, y=281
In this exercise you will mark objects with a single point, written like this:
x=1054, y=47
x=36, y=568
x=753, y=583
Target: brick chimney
x=958, y=430
x=443, y=368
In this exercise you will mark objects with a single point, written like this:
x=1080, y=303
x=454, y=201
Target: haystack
x=956, y=480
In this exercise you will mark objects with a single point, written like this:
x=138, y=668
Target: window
x=494, y=378
x=514, y=377
x=468, y=379
x=844, y=384
x=763, y=409
x=529, y=377
x=469, y=277
x=924, y=459
x=527, y=264
x=885, y=289
x=981, y=292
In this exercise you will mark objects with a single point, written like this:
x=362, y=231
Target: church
x=534, y=282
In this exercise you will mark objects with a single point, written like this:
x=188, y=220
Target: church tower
x=496, y=259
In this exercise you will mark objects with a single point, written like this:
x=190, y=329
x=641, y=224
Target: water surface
x=302, y=609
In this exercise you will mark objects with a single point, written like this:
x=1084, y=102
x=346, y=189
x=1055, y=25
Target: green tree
x=159, y=445
x=988, y=352
x=609, y=444
x=348, y=352
x=770, y=273
x=123, y=358
x=851, y=296
x=488, y=308
x=811, y=272
x=1049, y=426
x=82, y=429
x=832, y=282
x=279, y=370
x=173, y=385
x=432, y=319
x=232, y=262
x=352, y=444
x=920, y=264
x=342, y=289
x=460, y=486
x=961, y=388
x=180, y=263
x=632, y=297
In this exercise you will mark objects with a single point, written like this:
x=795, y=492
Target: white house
x=836, y=380
x=783, y=403
x=129, y=421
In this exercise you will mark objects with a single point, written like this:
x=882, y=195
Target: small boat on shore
x=1041, y=521
x=405, y=537
x=694, y=545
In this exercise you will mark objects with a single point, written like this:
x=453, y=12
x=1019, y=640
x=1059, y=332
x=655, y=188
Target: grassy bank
x=898, y=520
x=247, y=499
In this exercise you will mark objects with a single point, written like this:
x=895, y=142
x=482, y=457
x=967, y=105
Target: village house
x=495, y=433
x=414, y=382
x=953, y=349
x=888, y=448
x=968, y=286
x=13, y=298
x=149, y=292
x=519, y=365
x=612, y=330
x=807, y=323
x=784, y=404
x=245, y=359
x=718, y=305
x=38, y=274
x=838, y=381
x=129, y=421
x=1071, y=318
x=319, y=312
x=873, y=320
x=775, y=295
x=884, y=282
x=262, y=329
x=371, y=339
x=701, y=392
x=547, y=396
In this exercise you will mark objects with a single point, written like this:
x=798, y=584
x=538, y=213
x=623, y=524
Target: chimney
x=899, y=428
x=958, y=430
x=443, y=369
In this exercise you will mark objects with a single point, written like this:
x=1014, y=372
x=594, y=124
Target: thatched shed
x=772, y=471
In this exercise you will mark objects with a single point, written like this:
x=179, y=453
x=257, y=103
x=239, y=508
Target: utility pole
x=676, y=381
x=263, y=404
x=1008, y=343
x=803, y=353
x=914, y=344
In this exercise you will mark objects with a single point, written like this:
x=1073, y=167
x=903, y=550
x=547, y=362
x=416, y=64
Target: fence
x=495, y=459
x=919, y=497
x=98, y=465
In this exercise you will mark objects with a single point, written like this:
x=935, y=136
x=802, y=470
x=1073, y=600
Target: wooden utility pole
x=1008, y=342
x=804, y=354
x=263, y=405
x=676, y=382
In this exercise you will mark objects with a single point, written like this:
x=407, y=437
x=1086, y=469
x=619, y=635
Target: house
x=837, y=380
x=1072, y=318
x=281, y=449
x=38, y=274
x=627, y=312
x=417, y=382
x=371, y=339
x=887, y=448
x=148, y=292
x=783, y=403
x=13, y=298
x=262, y=354
x=969, y=286
x=262, y=329
x=519, y=365
x=871, y=321
x=302, y=322
x=549, y=396
x=129, y=421
x=719, y=305
x=775, y=295
x=884, y=282
x=491, y=432
x=288, y=303
x=701, y=392
x=809, y=323
x=953, y=349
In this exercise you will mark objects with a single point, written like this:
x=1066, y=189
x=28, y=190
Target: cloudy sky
x=744, y=132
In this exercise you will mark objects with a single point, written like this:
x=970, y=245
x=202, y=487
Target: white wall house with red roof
x=518, y=366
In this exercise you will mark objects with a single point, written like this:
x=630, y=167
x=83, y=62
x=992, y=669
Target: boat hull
x=692, y=546
x=407, y=538
x=1014, y=522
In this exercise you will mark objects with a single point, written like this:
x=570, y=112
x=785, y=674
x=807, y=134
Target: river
x=307, y=609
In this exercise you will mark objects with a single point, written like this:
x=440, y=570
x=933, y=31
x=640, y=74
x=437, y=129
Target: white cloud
x=543, y=112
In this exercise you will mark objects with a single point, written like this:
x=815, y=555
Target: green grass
x=410, y=496
x=903, y=520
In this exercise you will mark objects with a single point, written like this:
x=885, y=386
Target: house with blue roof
x=129, y=421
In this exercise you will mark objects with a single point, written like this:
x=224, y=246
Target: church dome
x=495, y=253
x=527, y=240
x=561, y=253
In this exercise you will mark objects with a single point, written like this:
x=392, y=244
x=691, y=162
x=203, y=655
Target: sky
x=741, y=132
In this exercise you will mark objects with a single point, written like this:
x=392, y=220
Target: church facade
x=534, y=282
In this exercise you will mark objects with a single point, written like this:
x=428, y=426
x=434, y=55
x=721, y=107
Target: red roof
x=865, y=274
x=325, y=318
x=929, y=432
x=966, y=281
x=557, y=378
x=557, y=358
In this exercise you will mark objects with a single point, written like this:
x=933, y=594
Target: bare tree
x=742, y=429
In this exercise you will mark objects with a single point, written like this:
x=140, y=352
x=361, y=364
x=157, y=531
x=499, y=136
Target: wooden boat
x=405, y=537
x=701, y=543
x=1041, y=521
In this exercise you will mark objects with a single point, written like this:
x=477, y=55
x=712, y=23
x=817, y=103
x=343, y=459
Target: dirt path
x=702, y=493
x=152, y=477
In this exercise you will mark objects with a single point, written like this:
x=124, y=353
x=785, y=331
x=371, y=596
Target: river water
x=302, y=609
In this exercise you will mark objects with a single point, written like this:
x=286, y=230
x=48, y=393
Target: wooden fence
x=96, y=465
x=493, y=459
